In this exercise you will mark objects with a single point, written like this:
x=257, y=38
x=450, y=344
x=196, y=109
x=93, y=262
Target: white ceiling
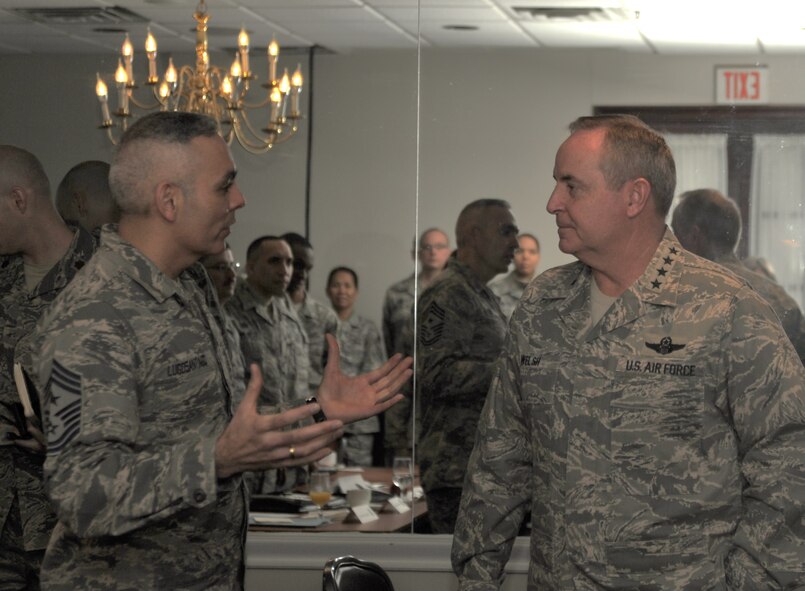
x=662, y=27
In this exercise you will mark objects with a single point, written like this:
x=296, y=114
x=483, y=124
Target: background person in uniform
x=145, y=448
x=361, y=351
x=432, y=251
x=83, y=195
x=273, y=337
x=510, y=287
x=647, y=407
x=461, y=330
x=222, y=271
x=317, y=318
x=41, y=254
x=709, y=224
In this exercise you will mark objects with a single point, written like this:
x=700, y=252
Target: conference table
x=387, y=522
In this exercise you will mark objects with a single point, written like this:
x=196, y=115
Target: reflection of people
x=461, y=330
x=432, y=251
x=361, y=351
x=222, y=271
x=83, y=195
x=41, y=254
x=145, y=448
x=647, y=407
x=317, y=318
x=709, y=224
x=510, y=287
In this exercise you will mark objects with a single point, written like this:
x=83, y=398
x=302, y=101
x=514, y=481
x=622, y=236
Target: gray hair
x=18, y=166
x=632, y=150
x=717, y=217
x=142, y=148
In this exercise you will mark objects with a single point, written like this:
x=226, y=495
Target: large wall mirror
x=399, y=139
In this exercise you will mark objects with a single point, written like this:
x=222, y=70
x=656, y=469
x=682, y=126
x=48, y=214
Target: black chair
x=348, y=573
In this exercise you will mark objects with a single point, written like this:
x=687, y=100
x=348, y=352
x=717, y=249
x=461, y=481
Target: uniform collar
x=471, y=278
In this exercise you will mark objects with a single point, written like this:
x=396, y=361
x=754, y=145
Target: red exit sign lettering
x=742, y=85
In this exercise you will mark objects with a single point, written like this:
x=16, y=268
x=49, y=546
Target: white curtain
x=777, y=209
x=701, y=162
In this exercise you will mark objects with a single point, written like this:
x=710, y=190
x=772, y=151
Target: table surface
x=386, y=522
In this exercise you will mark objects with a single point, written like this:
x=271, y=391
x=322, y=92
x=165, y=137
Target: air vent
x=86, y=15
x=578, y=14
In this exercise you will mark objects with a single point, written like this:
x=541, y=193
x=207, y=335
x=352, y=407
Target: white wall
x=490, y=124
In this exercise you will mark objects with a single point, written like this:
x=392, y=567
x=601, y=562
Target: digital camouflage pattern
x=509, y=289
x=318, y=320
x=21, y=470
x=461, y=332
x=398, y=336
x=235, y=352
x=139, y=388
x=271, y=335
x=361, y=351
x=662, y=449
x=783, y=304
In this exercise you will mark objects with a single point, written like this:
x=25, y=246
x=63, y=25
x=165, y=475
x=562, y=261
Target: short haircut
x=90, y=176
x=342, y=270
x=251, y=252
x=717, y=217
x=133, y=163
x=296, y=240
x=534, y=238
x=425, y=233
x=632, y=150
x=18, y=166
x=468, y=218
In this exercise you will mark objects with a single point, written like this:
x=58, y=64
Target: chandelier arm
x=140, y=105
x=111, y=136
x=248, y=145
x=255, y=133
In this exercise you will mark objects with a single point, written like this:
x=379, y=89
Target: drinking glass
x=402, y=475
x=320, y=490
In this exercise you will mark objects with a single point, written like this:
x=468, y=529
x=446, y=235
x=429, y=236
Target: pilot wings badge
x=665, y=346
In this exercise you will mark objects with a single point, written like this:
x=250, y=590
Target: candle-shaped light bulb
x=276, y=101
x=243, y=48
x=151, y=53
x=121, y=77
x=285, y=83
x=235, y=70
x=103, y=93
x=273, y=52
x=297, y=79
x=127, y=50
x=100, y=87
x=170, y=73
x=226, y=87
x=164, y=90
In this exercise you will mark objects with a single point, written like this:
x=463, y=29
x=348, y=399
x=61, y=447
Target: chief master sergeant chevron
x=647, y=407
x=145, y=448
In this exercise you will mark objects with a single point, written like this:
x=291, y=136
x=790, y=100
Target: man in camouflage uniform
x=272, y=336
x=398, y=331
x=317, y=318
x=461, y=330
x=709, y=224
x=145, y=448
x=647, y=408
x=510, y=287
x=40, y=256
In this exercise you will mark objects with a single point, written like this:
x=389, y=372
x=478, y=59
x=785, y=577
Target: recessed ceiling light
x=460, y=28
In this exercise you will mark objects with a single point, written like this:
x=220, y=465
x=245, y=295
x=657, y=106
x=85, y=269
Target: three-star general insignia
x=432, y=327
x=665, y=346
x=64, y=412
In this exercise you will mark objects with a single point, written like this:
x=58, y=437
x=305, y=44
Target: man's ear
x=167, y=198
x=638, y=196
x=19, y=199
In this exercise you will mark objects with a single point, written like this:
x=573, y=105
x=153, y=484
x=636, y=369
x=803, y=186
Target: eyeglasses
x=432, y=247
x=223, y=267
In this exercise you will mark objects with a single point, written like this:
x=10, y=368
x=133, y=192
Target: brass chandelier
x=209, y=90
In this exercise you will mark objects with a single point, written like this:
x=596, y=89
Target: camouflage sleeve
x=374, y=356
x=102, y=474
x=496, y=490
x=449, y=360
x=766, y=391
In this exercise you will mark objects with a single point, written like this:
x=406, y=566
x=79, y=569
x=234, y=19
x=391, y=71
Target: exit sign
x=737, y=85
